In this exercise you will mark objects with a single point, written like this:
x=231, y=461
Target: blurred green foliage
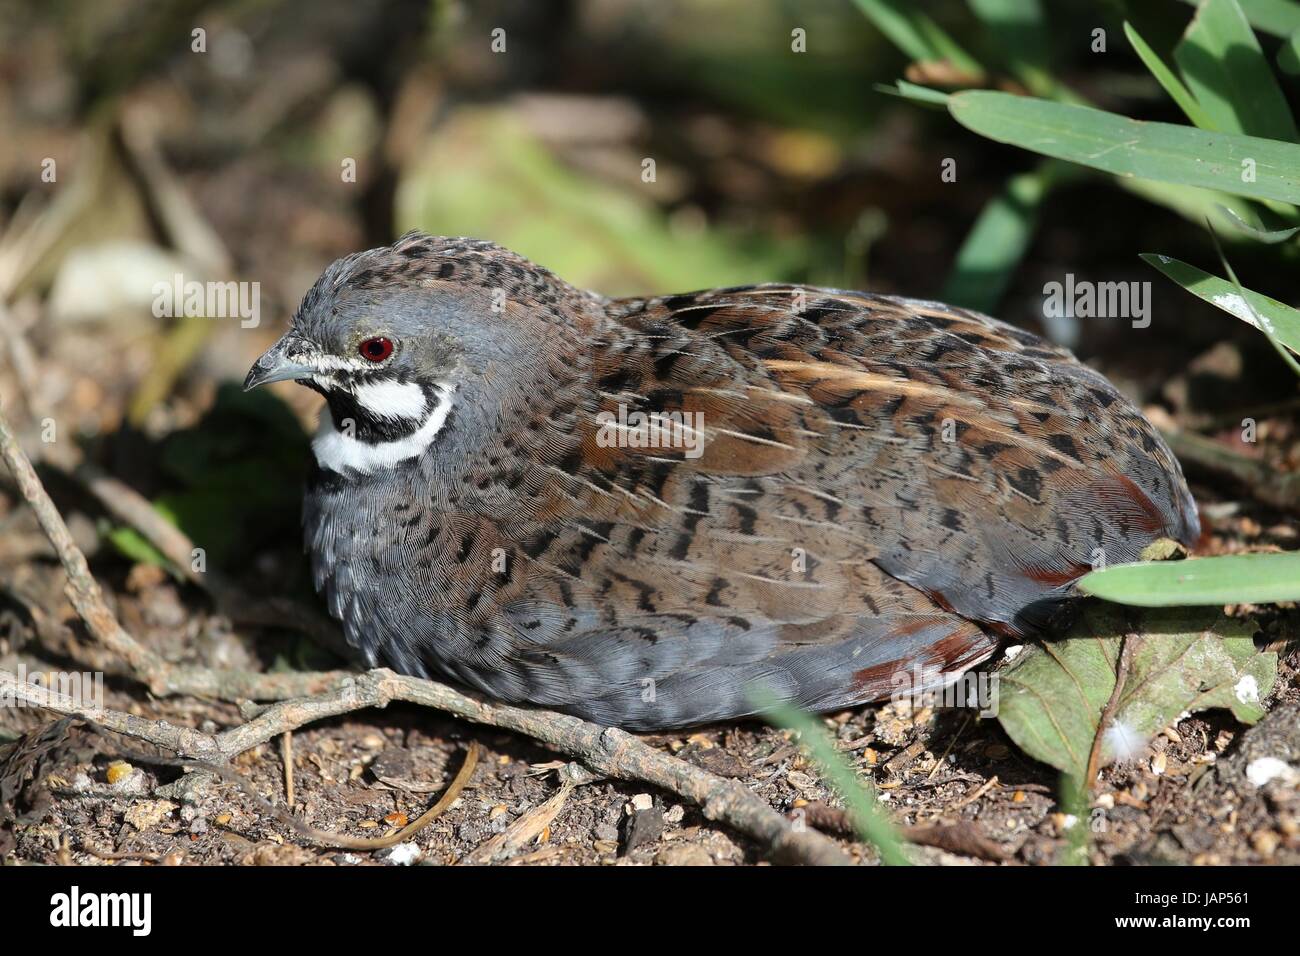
x=236, y=480
x=485, y=174
x=1246, y=145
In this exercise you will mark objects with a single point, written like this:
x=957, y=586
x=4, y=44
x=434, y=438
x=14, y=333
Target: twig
x=83, y=591
x=110, y=857
x=182, y=740
x=1108, y=712
x=344, y=842
x=947, y=750
x=1266, y=484
x=286, y=755
x=529, y=826
x=961, y=838
x=984, y=788
x=21, y=358
x=132, y=508
x=423, y=820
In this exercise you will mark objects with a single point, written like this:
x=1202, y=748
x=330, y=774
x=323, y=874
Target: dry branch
x=1122, y=663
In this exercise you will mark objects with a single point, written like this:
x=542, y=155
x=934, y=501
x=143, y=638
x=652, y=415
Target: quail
x=642, y=510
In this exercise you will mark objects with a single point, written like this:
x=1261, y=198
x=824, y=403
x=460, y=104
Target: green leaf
x=915, y=93
x=1226, y=579
x=1185, y=660
x=997, y=242
x=132, y=546
x=1166, y=77
x=1288, y=55
x=1283, y=321
x=1133, y=148
x=1227, y=73
x=858, y=794
x=1280, y=18
x=1264, y=324
x=918, y=36
x=1258, y=233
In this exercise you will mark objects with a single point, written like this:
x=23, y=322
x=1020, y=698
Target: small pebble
x=1265, y=843
x=645, y=827
x=131, y=782
x=606, y=832
x=146, y=814
x=468, y=833
x=404, y=854
x=1265, y=770
x=683, y=854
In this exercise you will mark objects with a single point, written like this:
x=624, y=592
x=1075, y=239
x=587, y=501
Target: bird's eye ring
x=376, y=349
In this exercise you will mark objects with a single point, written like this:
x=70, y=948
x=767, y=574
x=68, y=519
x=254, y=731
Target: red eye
x=376, y=349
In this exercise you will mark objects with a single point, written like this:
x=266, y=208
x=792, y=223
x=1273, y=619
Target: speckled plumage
x=881, y=482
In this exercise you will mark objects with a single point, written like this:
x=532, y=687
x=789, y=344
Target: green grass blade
x=1283, y=321
x=917, y=94
x=1280, y=18
x=1228, y=579
x=1133, y=148
x=1258, y=233
x=1256, y=319
x=1166, y=77
x=859, y=796
x=1020, y=29
x=997, y=242
x=1227, y=72
x=916, y=34
x=1288, y=55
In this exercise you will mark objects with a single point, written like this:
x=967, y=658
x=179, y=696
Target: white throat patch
x=388, y=399
x=340, y=451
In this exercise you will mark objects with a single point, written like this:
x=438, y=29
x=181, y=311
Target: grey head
x=401, y=338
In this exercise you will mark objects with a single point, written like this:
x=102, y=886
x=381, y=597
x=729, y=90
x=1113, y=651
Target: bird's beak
x=279, y=364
